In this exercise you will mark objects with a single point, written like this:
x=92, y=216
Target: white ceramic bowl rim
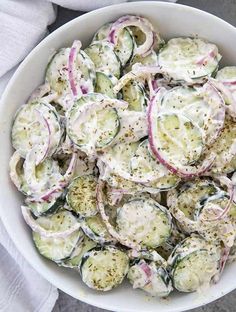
x=5, y=95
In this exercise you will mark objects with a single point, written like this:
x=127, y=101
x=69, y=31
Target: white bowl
x=172, y=20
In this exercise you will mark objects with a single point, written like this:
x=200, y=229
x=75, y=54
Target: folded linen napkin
x=23, y=23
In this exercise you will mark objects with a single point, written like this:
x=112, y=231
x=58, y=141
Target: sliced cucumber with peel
x=104, y=57
x=105, y=83
x=178, y=138
x=36, y=125
x=45, y=207
x=187, y=59
x=189, y=194
x=125, y=45
x=134, y=93
x=16, y=167
x=203, y=106
x=57, y=249
x=98, y=128
x=224, y=149
x=75, y=258
x=150, y=59
x=42, y=177
x=81, y=196
x=194, y=263
x=104, y=269
x=145, y=222
x=96, y=230
x=57, y=72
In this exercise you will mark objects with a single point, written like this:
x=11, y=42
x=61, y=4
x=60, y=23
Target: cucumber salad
x=126, y=158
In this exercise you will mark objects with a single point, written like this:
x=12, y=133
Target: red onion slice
x=71, y=66
x=142, y=23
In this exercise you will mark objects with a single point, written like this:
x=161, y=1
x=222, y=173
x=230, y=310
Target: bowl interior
x=171, y=20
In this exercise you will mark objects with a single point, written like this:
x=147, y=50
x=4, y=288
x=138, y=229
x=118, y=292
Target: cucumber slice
x=125, y=45
x=186, y=59
x=29, y=129
x=57, y=249
x=178, y=139
x=199, y=106
x=105, y=83
x=138, y=35
x=221, y=231
x=194, y=262
x=75, y=258
x=150, y=59
x=220, y=199
x=81, y=196
x=45, y=208
x=229, y=167
x=117, y=160
x=102, y=33
x=118, y=156
x=91, y=97
x=104, y=57
x=227, y=75
x=98, y=128
x=104, y=269
x=150, y=278
x=142, y=163
x=134, y=93
x=42, y=177
x=224, y=148
x=188, y=195
x=193, y=271
x=145, y=222
x=57, y=72
x=16, y=167
x=95, y=229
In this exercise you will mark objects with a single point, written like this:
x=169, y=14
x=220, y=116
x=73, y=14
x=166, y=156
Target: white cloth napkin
x=23, y=23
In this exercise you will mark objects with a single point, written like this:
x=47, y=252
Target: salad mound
x=126, y=156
